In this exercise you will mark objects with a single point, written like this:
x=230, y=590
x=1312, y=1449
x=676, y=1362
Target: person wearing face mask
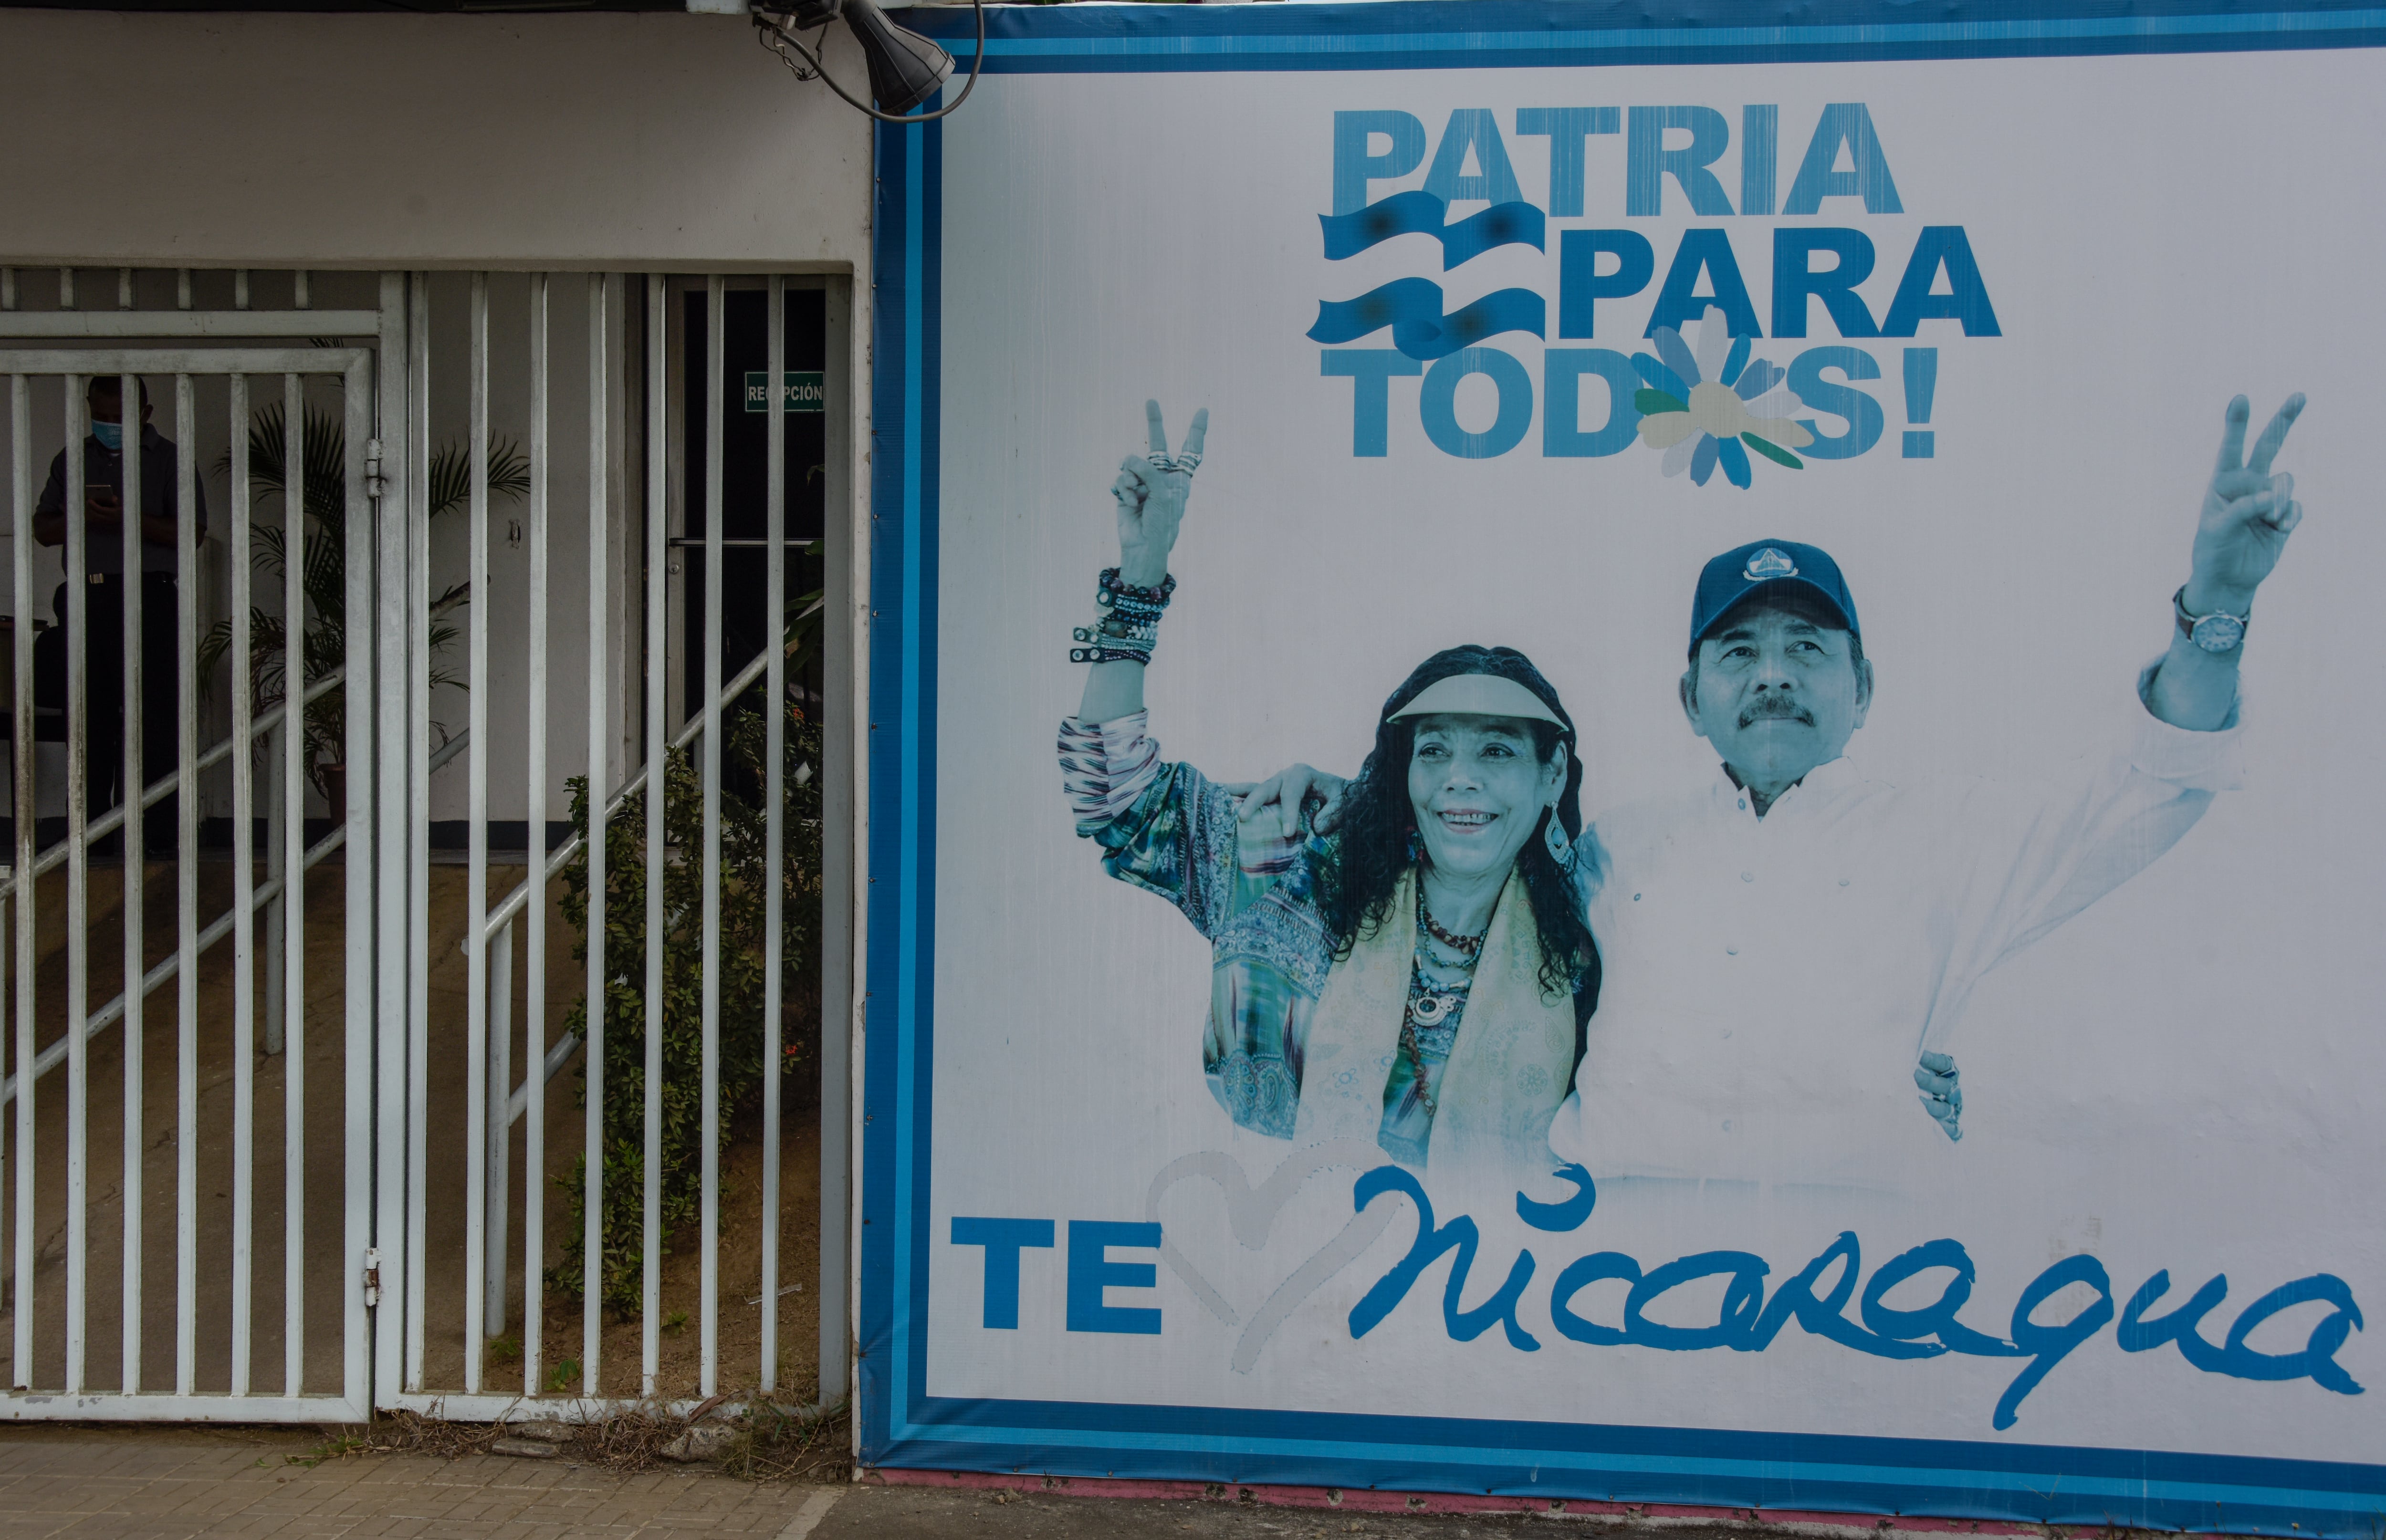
x=1419, y=980
x=1792, y=942
x=102, y=514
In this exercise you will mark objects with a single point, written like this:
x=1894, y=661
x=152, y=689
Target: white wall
x=377, y=140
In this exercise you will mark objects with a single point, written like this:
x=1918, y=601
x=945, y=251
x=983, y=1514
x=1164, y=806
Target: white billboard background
x=2187, y=1076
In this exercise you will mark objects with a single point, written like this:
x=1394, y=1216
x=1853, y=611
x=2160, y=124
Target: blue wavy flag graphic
x=1502, y=224
x=1411, y=307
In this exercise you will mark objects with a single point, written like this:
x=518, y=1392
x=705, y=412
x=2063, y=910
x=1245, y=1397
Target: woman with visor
x=1420, y=978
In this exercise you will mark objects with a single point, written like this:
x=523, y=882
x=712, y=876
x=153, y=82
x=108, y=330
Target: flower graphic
x=1699, y=408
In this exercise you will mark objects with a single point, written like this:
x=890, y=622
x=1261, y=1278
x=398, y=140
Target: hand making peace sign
x=2248, y=513
x=1152, y=489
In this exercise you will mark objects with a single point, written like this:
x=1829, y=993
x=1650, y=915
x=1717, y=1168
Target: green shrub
x=742, y=1047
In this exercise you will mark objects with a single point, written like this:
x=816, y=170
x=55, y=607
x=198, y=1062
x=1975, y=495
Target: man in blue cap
x=1789, y=946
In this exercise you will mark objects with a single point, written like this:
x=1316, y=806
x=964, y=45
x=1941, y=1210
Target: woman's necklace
x=1433, y=1000
x=1468, y=946
x=1426, y=1098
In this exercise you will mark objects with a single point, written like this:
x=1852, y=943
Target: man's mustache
x=1776, y=707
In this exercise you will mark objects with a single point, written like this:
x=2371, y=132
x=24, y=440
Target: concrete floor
x=324, y=1054
x=177, y=1483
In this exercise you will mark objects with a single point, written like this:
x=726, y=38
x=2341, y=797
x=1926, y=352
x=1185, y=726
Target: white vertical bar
x=600, y=781
x=290, y=992
x=136, y=874
x=244, y=887
x=20, y=482
x=712, y=1195
x=271, y=939
x=242, y=709
x=124, y=288
x=376, y=916
x=78, y=865
x=186, y=863
x=499, y=1129
x=182, y=302
x=66, y=288
x=282, y=800
x=658, y=693
x=774, y=709
x=476, y=879
x=535, y=838
x=240, y=288
x=408, y=851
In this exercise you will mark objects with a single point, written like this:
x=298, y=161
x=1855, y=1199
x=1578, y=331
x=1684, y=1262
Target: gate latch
x=373, y=483
x=372, y=1269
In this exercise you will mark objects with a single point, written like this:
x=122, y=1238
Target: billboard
x=1827, y=960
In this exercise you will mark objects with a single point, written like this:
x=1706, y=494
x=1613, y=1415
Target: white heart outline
x=1250, y=1213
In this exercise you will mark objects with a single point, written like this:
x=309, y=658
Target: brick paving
x=162, y=1483
x=117, y=1485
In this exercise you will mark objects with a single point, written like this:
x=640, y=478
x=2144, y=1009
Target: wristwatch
x=2218, y=631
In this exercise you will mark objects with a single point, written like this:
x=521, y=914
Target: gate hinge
x=373, y=1271
x=373, y=483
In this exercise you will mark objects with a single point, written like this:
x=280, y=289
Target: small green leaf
x=1654, y=402
x=1772, y=451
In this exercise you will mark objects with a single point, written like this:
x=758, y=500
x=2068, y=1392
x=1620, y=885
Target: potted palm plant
x=323, y=574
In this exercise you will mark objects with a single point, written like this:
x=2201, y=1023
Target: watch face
x=2218, y=633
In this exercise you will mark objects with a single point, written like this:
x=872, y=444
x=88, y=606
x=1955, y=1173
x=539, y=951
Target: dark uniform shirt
x=160, y=480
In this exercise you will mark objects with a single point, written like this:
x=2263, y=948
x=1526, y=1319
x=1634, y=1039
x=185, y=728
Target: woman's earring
x=1561, y=847
x=1413, y=845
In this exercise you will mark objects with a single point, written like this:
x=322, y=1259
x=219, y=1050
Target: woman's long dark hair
x=1355, y=894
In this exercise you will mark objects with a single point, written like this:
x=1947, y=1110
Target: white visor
x=1479, y=695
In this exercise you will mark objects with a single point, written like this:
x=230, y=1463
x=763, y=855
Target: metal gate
x=625, y=506
x=660, y=379
x=68, y=358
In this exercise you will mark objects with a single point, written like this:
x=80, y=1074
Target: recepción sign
x=1827, y=961
x=805, y=390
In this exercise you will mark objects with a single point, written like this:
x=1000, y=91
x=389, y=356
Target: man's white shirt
x=1769, y=983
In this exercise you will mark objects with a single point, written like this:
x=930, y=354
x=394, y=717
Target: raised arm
x=2248, y=514
x=1151, y=490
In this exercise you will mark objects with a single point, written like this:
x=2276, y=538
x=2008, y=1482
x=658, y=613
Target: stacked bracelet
x=1128, y=623
x=1116, y=587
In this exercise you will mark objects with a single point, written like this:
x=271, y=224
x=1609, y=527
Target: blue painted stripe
x=1637, y=1446
x=1546, y=1460
x=1686, y=40
x=892, y=236
x=1446, y=17
x=1156, y=39
x=1174, y=64
x=922, y=617
x=908, y=1012
x=2284, y=1512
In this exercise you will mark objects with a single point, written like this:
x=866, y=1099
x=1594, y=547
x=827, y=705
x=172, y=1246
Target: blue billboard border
x=899, y=1422
x=1495, y=33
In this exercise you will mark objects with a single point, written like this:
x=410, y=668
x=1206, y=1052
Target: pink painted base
x=1372, y=1500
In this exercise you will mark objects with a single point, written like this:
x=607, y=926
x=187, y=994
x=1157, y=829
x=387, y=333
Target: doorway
x=745, y=471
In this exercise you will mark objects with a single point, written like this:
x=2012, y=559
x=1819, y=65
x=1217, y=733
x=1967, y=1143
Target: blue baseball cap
x=1763, y=566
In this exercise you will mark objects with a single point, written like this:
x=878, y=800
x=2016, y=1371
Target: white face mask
x=110, y=434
